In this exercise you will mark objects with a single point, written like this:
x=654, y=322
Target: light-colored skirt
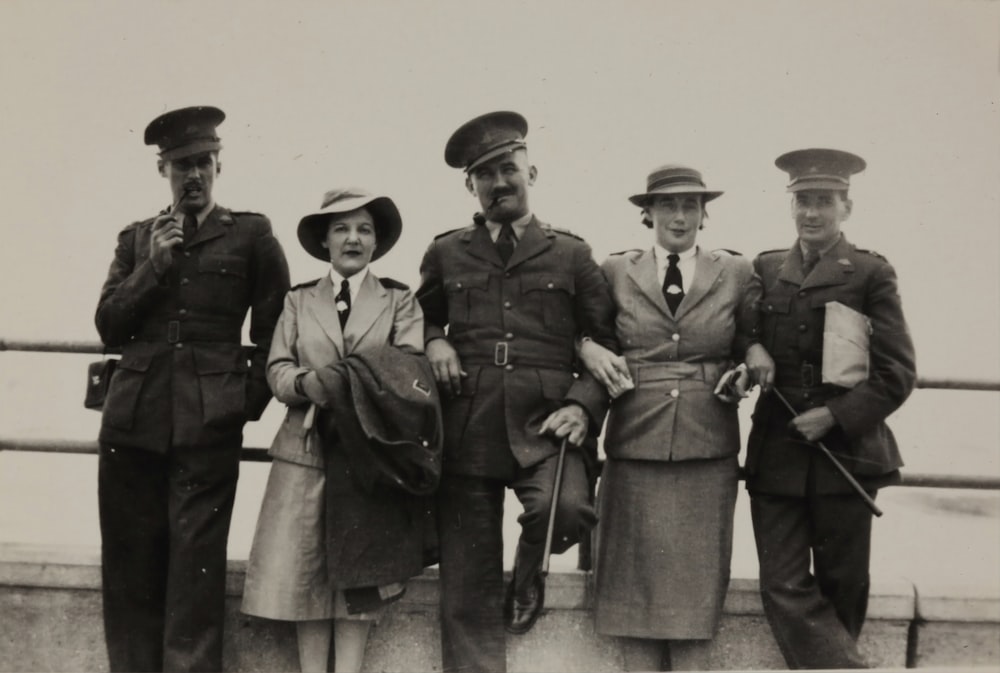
x=664, y=543
x=287, y=574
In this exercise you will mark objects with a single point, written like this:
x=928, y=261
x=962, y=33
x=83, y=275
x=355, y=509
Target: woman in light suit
x=685, y=316
x=347, y=310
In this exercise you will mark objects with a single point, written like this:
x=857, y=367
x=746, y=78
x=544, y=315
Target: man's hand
x=446, y=366
x=313, y=389
x=760, y=366
x=571, y=422
x=610, y=369
x=167, y=233
x=814, y=423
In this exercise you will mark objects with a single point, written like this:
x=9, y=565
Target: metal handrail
x=260, y=455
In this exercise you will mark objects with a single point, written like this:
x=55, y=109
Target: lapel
x=371, y=302
x=534, y=242
x=324, y=310
x=642, y=271
x=706, y=269
x=479, y=244
x=214, y=226
x=833, y=268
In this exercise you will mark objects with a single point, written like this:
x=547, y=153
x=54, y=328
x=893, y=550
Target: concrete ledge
x=50, y=600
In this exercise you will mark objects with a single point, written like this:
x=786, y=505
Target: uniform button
x=770, y=307
x=179, y=345
x=550, y=286
x=803, y=327
x=806, y=396
x=676, y=337
x=508, y=336
x=223, y=271
x=187, y=253
x=802, y=293
x=184, y=281
x=670, y=356
x=506, y=274
x=506, y=304
x=458, y=285
x=509, y=368
x=183, y=311
x=675, y=393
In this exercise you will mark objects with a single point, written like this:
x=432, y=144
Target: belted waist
x=708, y=372
x=175, y=331
x=502, y=355
x=805, y=375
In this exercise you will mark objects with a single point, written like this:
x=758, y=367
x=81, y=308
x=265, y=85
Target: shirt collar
x=203, y=213
x=355, y=281
x=823, y=251
x=661, y=253
x=518, y=225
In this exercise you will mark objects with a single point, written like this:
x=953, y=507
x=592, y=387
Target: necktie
x=343, y=300
x=190, y=228
x=673, y=283
x=505, y=242
x=809, y=262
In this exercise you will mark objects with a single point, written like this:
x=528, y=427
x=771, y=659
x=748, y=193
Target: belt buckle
x=808, y=375
x=173, y=331
x=500, y=354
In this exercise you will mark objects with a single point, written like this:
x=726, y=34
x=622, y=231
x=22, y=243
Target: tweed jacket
x=184, y=379
x=308, y=337
x=514, y=327
x=792, y=312
x=677, y=359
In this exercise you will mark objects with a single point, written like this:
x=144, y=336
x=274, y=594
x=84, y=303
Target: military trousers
x=164, y=528
x=815, y=618
x=470, y=528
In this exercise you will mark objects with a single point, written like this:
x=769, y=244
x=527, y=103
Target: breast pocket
x=552, y=297
x=774, y=311
x=225, y=276
x=467, y=299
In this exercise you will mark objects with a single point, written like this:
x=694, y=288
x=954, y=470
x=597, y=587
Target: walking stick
x=556, y=487
x=836, y=463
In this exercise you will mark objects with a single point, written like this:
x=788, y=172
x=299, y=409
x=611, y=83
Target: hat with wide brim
x=673, y=179
x=388, y=223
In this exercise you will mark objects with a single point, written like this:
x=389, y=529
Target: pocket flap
x=468, y=281
x=223, y=264
x=137, y=362
x=217, y=362
x=776, y=305
x=533, y=282
x=555, y=383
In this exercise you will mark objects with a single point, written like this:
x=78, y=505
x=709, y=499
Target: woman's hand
x=610, y=369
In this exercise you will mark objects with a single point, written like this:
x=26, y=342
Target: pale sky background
x=319, y=95
x=325, y=94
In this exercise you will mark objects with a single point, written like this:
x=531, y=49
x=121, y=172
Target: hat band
x=193, y=146
x=669, y=180
x=817, y=177
x=506, y=146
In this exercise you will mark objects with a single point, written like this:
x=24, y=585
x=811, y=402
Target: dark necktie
x=673, y=283
x=809, y=262
x=343, y=300
x=505, y=242
x=190, y=228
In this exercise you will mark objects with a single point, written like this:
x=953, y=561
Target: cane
x=556, y=487
x=836, y=463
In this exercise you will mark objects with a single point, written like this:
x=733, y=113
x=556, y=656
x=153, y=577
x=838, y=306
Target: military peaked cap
x=485, y=137
x=819, y=168
x=181, y=133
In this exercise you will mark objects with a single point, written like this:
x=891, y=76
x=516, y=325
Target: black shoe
x=521, y=612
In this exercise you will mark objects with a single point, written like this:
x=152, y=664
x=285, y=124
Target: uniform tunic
x=668, y=490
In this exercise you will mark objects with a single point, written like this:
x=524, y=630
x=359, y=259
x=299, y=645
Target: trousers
x=815, y=618
x=470, y=528
x=164, y=526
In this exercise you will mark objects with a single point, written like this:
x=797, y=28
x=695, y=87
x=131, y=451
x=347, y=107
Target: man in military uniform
x=513, y=293
x=802, y=508
x=174, y=301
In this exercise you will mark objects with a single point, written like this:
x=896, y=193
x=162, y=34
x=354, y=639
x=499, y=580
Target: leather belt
x=502, y=356
x=175, y=331
x=709, y=372
x=806, y=375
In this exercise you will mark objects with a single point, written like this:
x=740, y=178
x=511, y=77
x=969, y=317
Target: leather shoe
x=520, y=612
